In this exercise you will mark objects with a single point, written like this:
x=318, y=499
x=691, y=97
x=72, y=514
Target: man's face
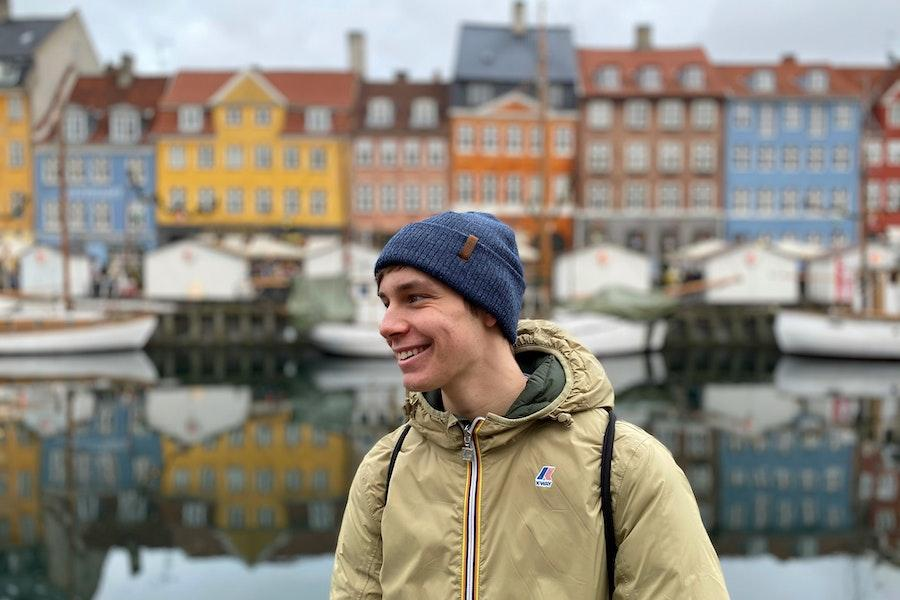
x=434, y=335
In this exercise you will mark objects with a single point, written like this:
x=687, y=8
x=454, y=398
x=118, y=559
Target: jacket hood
x=586, y=388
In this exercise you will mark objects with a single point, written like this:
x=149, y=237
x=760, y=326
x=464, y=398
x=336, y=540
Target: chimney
x=400, y=77
x=356, y=47
x=125, y=72
x=643, y=34
x=436, y=76
x=4, y=11
x=518, y=18
x=789, y=59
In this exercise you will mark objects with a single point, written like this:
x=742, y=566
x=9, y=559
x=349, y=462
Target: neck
x=491, y=389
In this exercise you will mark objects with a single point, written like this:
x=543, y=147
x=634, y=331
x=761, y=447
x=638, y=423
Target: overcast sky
x=419, y=36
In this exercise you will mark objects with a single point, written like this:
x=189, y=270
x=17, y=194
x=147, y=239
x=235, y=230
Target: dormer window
x=124, y=125
x=479, y=93
x=76, y=125
x=557, y=95
x=817, y=81
x=649, y=78
x=424, y=113
x=317, y=119
x=608, y=78
x=190, y=118
x=9, y=73
x=380, y=113
x=763, y=81
x=693, y=77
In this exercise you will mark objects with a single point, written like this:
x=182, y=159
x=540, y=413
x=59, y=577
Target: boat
x=130, y=367
x=838, y=334
x=807, y=377
x=352, y=339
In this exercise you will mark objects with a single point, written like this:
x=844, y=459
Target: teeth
x=409, y=353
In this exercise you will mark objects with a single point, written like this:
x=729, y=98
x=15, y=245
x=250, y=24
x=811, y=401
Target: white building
x=193, y=270
x=41, y=273
x=328, y=258
x=585, y=272
x=834, y=278
x=751, y=274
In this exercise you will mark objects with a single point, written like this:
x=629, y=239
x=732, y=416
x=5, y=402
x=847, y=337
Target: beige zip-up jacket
x=501, y=525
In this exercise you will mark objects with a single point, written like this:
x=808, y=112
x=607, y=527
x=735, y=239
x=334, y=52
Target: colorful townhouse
x=20, y=501
x=792, y=133
x=650, y=134
x=110, y=170
x=499, y=140
x=251, y=150
x=400, y=169
x=39, y=58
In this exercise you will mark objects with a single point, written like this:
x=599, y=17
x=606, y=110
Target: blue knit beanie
x=473, y=253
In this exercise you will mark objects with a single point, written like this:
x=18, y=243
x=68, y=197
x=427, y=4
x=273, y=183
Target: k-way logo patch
x=544, y=477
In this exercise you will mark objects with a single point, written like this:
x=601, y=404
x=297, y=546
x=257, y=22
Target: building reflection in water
x=251, y=457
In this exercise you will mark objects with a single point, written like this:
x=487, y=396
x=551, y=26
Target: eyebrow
x=406, y=286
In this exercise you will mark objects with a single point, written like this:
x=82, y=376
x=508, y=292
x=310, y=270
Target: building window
x=765, y=201
x=669, y=157
x=412, y=199
x=669, y=196
x=536, y=141
x=76, y=125
x=893, y=152
x=789, y=201
x=100, y=172
x=262, y=116
x=702, y=195
x=563, y=141
x=236, y=518
x=766, y=159
x=792, y=116
x=513, y=190
x=740, y=200
x=514, y=140
x=265, y=480
x=763, y=81
x=388, y=198
x=743, y=116
x=290, y=158
x=465, y=139
x=489, y=189
x=478, y=93
x=556, y=96
x=318, y=159
x=262, y=156
x=292, y=435
x=50, y=214
x=75, y=171
x=124, y=125
x=14, y=108
x=600, y=114
x=893, y=114
x=843, y=117
x=293, y=480
x=234, y=157
x=379, y=113
x=873, y=153
x=436, y=197
x=190, y=118
x=671, y=115
x=599, y=196
x=561, y=189
x=893, y=196
x=637, y=114
x=181, y=479
x=704, y=114
x=205, y=156
x=363, y=152
x=317, y=119
x=424, y=113
x=437, y=153
x=411, y=153
x=813, y=201
x=263, y=201
x=16, y=155
x=206, y=200
x=703, y=157
x=365, y=198
x=608, y=77
x=740, y=158
x=233, y=116
x=388, y=153
x=234, y=201
x=136, y=216
x=649, y=78
x=136, y=171
x=291, y=202
x=465, y=188
x=840, y=200
x=817, y=121
x=873, y=196
x=489, y=139
x=790, y=159
x=767, y=121
x=693, y=77
x=815, y=160
x=840, y=158
x=102, y=216
x=599, y=157
x=636, y=196
x=318, y=204
x=637, y=157
x=177, y=199
x=177, y=157
x=817, y=81
x=49, y=171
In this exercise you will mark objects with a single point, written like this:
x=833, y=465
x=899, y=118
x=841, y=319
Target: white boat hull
x=133, y=366
x=93, y=336
x=350, y=339
x=819, y=334
x=605, y=335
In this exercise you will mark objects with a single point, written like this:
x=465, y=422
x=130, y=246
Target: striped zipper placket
x=470, y=453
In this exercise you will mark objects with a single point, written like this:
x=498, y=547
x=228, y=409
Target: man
x=494, y=491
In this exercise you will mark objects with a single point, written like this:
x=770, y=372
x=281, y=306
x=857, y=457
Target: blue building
x=110, y=166
x=792, y=138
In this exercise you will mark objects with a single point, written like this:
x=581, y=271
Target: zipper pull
x=468, y=451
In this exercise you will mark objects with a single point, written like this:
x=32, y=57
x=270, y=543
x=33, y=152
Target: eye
x=415, y=298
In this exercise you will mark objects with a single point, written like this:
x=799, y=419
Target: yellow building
x=15, y=163
x=253, y=150
x=19, y=484
x=252, y=474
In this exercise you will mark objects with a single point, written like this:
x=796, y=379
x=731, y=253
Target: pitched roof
x=789, y=79
x=403, y=93
x=301, y=88
x=101, y=91
x=670, y=62
x=18, y=41
x=498, y=54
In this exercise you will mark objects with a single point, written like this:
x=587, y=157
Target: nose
x=392, y=323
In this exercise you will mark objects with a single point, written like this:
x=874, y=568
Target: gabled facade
x=650, y=132
x=39, y=59
x=793, y=134
x=498, y=140
x=110, y=166
x=253, y=150
x=400, y=162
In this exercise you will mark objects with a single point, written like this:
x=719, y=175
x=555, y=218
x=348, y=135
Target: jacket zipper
x=470, y=454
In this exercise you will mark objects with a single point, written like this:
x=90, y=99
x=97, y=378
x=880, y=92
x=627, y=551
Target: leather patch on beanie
x=468, y=247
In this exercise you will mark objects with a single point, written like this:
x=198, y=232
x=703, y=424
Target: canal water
x=201, y=474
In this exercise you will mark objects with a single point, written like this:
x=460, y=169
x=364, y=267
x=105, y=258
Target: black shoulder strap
x=394, y=453
x=606, y=501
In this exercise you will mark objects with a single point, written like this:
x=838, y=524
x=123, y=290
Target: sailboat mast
x=544, y=223
x=63, y=210
x=867, y=108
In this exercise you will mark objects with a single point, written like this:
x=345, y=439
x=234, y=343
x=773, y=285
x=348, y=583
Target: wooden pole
x=63, y=210
x=544, y=220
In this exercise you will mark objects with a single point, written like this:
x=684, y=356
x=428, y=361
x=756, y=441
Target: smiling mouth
x=408, y=354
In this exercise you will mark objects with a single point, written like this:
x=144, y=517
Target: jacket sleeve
x=664, y=550
x=357, y=559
